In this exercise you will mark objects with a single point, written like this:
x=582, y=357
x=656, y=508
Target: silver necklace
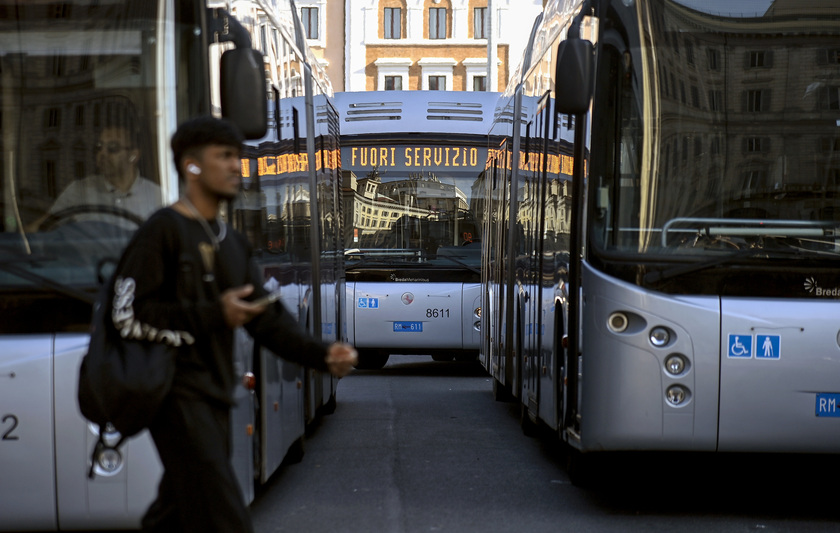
x=214, y=238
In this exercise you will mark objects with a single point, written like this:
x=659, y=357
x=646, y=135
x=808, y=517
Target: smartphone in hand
x=268, y=298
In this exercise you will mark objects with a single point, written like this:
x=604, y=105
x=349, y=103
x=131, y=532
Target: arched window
x=392, y=16
x=438, y=19
x=478, y=19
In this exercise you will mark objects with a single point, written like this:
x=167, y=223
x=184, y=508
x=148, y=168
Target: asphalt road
x=422, y=446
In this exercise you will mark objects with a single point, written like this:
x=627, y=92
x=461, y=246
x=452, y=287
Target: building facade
x=369, y=45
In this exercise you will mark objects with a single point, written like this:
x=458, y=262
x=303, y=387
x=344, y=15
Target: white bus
x=661, y=261
x=68, y=71
x=411, y=162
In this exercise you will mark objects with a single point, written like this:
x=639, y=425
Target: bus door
x=778, y=380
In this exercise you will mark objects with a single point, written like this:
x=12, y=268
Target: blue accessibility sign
x=768, y=346
x=368, y=303
x=740, y=346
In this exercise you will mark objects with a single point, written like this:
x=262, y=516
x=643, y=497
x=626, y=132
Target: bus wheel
x=582, y=468
x=530, y=427
x=372, y=359
x=501, y=393
x=329, y=407
x=296, y=452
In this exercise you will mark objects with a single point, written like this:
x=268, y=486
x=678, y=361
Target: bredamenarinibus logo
x=812, y=287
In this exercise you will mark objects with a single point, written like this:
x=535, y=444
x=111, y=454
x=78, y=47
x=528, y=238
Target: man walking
x=187, y=278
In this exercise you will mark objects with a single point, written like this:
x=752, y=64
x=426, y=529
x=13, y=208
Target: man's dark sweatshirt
x=163, y=291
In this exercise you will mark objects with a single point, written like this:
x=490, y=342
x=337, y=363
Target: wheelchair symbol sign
x=740, y=346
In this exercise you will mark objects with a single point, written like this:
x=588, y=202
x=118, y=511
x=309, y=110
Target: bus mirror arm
x=225, y=28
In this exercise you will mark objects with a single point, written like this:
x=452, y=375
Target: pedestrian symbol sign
x=768, y=346
x=740, y=346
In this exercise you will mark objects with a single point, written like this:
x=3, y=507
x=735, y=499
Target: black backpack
x=122, y=382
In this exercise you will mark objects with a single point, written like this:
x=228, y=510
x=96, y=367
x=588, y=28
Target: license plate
x=827, y=403
x=410, y=327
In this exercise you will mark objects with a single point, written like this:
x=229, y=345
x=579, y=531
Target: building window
x=695, y=96
x=479, y=83
x=713, y=57
x=754, y=178
x=689, y=52
x=80, y=116
x=760, y=59
x=392, y=73
x=479, y=29
x=828, y=56
x=437, y=83
x=437, y=23
x=309, y=18
x=757, y=144
x=830, y=98
x=393, y=23
x=758, y=100
x=393, y=83
x=715, y=100
x=52, y=117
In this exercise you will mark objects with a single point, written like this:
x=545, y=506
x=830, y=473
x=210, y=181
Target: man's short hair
x=196, y=134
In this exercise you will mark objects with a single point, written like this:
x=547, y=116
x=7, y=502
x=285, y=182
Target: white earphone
x=193, y=169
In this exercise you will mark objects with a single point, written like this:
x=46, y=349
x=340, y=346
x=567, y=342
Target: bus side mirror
x=573, y=77
x=243, y=94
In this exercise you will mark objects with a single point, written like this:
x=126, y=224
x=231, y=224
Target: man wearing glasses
x=117, y=195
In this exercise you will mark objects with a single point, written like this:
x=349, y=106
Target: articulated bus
x=72, y=71
x=411, y=164
x=661, y=258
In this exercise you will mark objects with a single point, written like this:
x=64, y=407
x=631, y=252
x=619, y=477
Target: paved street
x=421, y=446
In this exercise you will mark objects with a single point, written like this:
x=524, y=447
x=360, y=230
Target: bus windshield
x=80, y=171
x=725, y=134
x=413, y=203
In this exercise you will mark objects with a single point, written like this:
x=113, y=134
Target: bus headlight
x=477, y=325
x=108, y=461
x=660, y=336
x=618, y=322
x=676, y=395
x=477, y=312
x=675, y=364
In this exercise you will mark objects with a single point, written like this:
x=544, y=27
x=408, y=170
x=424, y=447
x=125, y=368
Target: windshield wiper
x=744, y=227
x=384, y=256
x=750, y=253
x=459, y=262
x=46, y=282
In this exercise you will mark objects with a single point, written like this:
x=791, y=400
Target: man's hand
x=237, y=311
x=341, y=358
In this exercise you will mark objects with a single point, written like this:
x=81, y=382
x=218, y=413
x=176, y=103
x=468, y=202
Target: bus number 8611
x=437, y=313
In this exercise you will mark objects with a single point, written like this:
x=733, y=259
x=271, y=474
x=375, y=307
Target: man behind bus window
x=117, y=194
